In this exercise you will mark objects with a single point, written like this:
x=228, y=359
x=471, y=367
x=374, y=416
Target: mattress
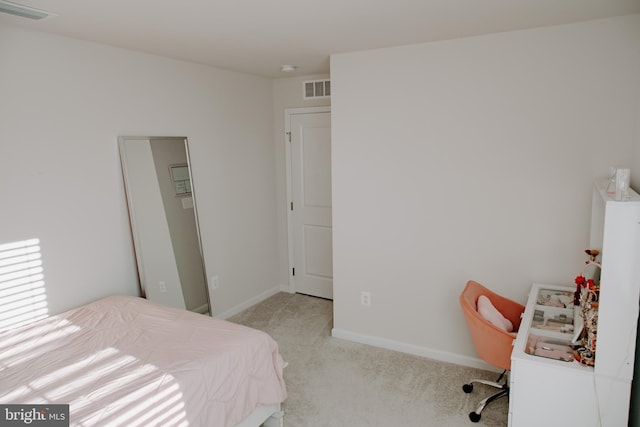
x=131, y=362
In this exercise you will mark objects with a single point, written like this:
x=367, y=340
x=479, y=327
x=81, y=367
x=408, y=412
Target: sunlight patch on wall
x=22, y=293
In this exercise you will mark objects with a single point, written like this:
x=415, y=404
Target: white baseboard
x=415, y=350
x=251, y=302
x=203, y=309
x=287, y=288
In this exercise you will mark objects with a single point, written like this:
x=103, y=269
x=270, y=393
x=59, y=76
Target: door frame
x=288, y=113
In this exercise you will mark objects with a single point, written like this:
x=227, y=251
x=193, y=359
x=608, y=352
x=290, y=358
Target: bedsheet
x=127, y=361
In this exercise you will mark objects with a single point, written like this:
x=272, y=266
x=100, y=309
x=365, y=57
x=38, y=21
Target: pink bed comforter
x=127, y=361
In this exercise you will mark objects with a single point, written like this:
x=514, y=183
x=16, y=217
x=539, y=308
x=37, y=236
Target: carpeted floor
x=337, y=383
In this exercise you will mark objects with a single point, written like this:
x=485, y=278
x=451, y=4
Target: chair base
x=504, y=391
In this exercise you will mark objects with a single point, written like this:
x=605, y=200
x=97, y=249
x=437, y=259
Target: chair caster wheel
x=474, y=417
x=467, y=388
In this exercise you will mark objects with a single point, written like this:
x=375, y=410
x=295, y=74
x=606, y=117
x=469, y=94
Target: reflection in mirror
x=592, y=271
x=164, y=222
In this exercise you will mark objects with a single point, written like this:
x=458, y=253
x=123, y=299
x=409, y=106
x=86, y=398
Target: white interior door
x=311, y=203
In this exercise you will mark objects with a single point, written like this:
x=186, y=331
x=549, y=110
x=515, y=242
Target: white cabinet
x=545, y=391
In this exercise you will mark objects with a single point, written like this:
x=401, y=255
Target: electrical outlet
x=162, y=286
x=214, y=282
x=365, y=298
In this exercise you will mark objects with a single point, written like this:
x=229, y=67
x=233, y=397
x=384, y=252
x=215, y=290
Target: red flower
x=591, y=284
x=580, y=280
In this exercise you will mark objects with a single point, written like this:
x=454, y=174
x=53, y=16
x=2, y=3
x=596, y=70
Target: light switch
x=187, y=203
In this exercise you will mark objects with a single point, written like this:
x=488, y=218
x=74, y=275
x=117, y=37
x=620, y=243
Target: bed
x=127, y=361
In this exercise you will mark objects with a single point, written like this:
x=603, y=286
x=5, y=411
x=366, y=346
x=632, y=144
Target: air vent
x=316, y=89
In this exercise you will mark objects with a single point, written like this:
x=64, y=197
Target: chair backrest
x=493, y=345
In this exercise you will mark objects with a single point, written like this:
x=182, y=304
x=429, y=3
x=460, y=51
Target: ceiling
x=258, y=36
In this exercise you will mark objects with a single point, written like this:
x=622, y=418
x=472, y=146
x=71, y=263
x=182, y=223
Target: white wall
x=287, y=93
x=63, y=104
x=472, y=159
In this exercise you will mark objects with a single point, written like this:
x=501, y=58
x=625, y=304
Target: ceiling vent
x=316, y=89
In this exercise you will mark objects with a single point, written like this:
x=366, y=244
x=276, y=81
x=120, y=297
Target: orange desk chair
x=493, y=344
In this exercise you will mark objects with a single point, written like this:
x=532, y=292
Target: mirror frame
x=141, y=270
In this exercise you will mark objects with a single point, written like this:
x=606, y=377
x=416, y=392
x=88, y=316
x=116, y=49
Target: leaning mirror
x=164, y=223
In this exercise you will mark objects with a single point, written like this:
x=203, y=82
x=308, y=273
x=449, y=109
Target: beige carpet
x=337, y=383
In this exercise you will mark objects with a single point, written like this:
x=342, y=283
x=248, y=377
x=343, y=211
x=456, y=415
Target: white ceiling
x=258, y=36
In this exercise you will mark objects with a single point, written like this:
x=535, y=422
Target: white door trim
x=288, y=112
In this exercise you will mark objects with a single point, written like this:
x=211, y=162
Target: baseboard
x=415, y=350
x=203, y=309
x=286, y=288
x=251, y=302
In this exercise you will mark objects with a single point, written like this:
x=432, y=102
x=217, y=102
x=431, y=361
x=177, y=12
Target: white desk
x=552, y=392
x=556, y=393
